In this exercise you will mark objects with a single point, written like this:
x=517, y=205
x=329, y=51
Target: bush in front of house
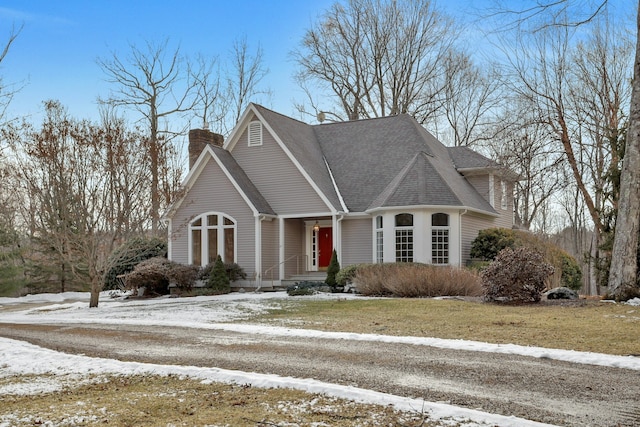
x=571, y=276
x=155, y=275
x=413, y=280
x=307, y=288
x=219, y=279
x=490, y=242
x=332, y=271
x=234, y=271
x=124, y=258
x=516, y=276
x=346, y=274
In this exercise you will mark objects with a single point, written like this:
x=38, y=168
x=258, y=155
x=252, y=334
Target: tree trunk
x=96, y=287
x=623, y=273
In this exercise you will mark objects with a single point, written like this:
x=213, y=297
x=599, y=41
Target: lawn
x=160, y=400
x=584, y=325
x=147, y=400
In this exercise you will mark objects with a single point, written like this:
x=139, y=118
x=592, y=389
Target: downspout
x=460, y=237
x=338, y=237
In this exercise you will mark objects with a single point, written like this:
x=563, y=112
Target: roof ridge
x=259, y=106
x=366, y=119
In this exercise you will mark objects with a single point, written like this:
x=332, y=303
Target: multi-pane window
x=379, y=240
x=212, y=234
x=440, y=238
x=404, y=237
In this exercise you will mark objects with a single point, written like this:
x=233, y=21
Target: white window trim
x=503, y=195
x=492, y=191
x=404, y=228
x=204, y=241
x=254, y=134
x=446, y=228
x=378, y=239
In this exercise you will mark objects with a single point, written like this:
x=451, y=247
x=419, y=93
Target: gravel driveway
x=545, y=390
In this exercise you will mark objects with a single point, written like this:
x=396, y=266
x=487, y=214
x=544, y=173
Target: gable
x=276, y=176
x=393, y=161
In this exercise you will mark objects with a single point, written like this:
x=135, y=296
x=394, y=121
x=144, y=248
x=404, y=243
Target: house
x=279, y=195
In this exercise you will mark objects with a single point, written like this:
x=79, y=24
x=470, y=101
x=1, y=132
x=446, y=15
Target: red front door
x=325, y=246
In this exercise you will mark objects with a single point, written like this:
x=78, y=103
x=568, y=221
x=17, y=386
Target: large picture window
x=440, y=238
x=212, y=234
x=404, y=237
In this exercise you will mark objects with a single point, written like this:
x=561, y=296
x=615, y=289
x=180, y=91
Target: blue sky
x=55, y=55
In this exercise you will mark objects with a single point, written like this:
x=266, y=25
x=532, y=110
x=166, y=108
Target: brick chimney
x=198, y=140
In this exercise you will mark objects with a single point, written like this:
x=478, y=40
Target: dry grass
x=411, y=280
x=171, y=401
x=583, y=325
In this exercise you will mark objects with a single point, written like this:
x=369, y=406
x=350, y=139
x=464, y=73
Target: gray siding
x=357, y=241
x=213, y=191
x=270, y=249
x=276, y=177
x=481, y=184
x=506, y=215
x=471, y=224
x=294, y=247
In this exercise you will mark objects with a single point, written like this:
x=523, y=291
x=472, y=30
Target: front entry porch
x=305, y=248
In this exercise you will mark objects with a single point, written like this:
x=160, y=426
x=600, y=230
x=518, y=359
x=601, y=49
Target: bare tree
x=378, y=58
x=7, y=91
x=212, y=103
x=84, y=189
x=471, y=99
x=154, y=82
x=523, y=145
x=623, y=275
x=579, y=92
x=243, y=77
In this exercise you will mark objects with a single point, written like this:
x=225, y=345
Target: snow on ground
x=215, y=312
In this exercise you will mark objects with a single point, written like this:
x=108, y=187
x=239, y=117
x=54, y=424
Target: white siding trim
x=169, y=238
x=492, y=191
x=335, y=187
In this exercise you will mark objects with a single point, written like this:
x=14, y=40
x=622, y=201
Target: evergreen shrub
x=124, y=258
x=219, y=279
x=332, y=271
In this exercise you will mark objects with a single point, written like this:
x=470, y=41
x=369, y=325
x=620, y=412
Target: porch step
x=309, y=276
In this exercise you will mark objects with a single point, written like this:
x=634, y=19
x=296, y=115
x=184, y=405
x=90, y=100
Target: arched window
x=379, y=240
x=440, y=238
x=404, y=237
x=212, y=234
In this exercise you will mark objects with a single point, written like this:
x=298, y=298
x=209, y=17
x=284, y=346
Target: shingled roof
x=377, y=163
x=246, y=185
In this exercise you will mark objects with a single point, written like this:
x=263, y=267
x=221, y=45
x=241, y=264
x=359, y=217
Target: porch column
x=258, y=250
x=280, y=248
x=336, y=222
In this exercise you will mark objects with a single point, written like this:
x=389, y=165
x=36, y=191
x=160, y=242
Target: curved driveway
x=545, y=390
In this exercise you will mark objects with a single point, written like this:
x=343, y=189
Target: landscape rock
x=562, y=293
